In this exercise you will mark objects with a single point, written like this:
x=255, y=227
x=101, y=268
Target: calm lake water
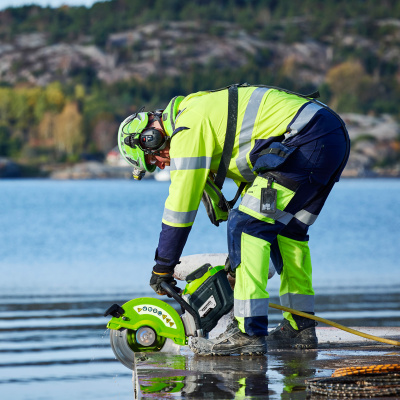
x=70, y=249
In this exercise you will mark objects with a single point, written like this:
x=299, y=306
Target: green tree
x=68, y=134
x=349, y=84
x=55, y=98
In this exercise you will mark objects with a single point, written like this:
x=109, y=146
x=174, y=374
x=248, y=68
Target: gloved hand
x=158, y=278
x=228, y=268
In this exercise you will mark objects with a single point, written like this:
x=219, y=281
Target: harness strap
x=232, y=202
x=281, y=180
x=231, y=127
x=229, y=137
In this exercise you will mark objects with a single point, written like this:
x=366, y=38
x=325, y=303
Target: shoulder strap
x=229, y=137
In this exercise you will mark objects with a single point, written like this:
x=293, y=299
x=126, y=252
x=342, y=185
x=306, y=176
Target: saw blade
x=124, y=344
x=121, y=349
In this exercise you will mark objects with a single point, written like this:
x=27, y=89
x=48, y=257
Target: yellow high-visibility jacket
x=196, y=148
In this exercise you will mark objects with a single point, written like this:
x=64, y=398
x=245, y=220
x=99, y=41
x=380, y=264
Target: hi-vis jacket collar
x=170, y=113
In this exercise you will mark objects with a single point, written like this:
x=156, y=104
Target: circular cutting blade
x=121, y=349
x=125, y=344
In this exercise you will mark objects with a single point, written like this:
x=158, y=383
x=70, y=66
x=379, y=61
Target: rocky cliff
x=175, y=47
x=172, y=46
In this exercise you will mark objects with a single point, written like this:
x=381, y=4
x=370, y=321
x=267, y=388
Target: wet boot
x=231, y=342
x=284, y=336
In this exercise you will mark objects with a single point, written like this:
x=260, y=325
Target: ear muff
x=132, y=140
x=152, y=139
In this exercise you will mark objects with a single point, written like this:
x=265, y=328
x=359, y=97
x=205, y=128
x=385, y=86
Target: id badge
x=268, y=200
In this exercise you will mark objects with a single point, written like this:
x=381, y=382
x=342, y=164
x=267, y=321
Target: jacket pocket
x=273, y=157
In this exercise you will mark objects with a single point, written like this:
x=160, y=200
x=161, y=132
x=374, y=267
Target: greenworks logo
x=156, y=312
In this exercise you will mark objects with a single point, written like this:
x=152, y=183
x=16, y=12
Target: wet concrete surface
x=280, y=374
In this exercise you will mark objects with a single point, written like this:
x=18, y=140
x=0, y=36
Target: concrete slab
x=280, y=374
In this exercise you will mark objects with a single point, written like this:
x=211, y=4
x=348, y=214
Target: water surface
x=70, y=249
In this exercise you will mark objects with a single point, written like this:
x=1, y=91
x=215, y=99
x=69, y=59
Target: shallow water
x=70, y=249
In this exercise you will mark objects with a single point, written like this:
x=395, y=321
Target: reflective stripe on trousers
x=301, y=302
x=250, y=307
x=283, y=217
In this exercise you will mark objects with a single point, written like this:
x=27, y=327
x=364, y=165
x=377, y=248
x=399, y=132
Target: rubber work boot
x=231, y=342
x=284, y=336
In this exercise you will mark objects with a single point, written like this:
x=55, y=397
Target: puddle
x=237, y=377
x=278, y=375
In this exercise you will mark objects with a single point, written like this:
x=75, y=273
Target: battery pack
x=210, y=295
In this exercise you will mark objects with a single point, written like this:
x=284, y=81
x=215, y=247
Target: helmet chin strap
x=157, y=115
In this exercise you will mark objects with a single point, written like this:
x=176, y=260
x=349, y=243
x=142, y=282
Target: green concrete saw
x=148, y=324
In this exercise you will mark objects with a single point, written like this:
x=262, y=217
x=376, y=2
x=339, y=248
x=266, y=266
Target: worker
x=285, y=151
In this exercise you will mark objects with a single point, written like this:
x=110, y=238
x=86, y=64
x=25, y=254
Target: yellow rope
x=366, y=369
x=334, y=324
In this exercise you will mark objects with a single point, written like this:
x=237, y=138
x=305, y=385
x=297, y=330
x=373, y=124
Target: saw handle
x=186, y=306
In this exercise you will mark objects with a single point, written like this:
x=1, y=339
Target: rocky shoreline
x=375, y=152
x=97, y=170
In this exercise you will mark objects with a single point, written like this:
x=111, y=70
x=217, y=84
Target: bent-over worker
x=285, y=151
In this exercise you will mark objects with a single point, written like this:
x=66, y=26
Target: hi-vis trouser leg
x=296, y=277
x=252, y=234
x=291, y=255
x=251, y=298
x=250, y=294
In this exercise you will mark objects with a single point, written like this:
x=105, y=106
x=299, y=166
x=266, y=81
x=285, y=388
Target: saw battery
x=209, y=293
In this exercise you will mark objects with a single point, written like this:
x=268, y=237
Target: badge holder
x=268, y=199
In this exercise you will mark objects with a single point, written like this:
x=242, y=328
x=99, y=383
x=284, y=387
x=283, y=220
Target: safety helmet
x=135, y=141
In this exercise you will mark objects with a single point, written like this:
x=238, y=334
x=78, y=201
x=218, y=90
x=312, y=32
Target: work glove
x=157, y=278
x=228, y=268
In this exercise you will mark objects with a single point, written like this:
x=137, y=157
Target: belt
x=281, y=180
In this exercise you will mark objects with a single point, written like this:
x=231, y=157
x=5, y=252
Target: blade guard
x=146, y=311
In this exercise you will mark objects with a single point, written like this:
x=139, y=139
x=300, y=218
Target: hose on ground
x=360, y=381
x=372, y=385
x=366, y=369
x=336, y=325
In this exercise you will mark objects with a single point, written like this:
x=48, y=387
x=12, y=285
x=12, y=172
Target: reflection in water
x=293, y=368
x=235, y=377
x=280, y=374
x=196, y=377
